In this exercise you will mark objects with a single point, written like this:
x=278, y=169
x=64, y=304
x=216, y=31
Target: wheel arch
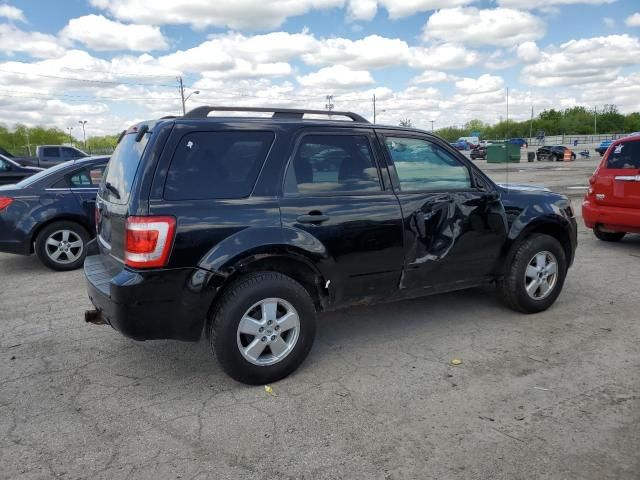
x=82, y=221
x=292, y=264
x=553, y=228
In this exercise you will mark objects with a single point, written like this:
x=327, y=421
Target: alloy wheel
x=268, y=331
x=541, y=275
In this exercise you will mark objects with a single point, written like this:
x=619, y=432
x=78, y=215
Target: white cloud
x=336, y=77
x=237, y=14
x=633, y=20
x=609, y=22
x=39, y=45
x=590, y=60
x=546, y=4
x=528, y=52
x=498, y=27
x=234, y=51
x=484, y=84
x=100, y=33
x=362, y=9
x=446, y=56
x=12, y=13
x=433, y=76
x=373, y=51
x=405, y=8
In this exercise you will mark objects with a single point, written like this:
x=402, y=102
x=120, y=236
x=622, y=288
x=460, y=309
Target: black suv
x=245, y=227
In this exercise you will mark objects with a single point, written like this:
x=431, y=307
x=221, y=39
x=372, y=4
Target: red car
x=612, y=205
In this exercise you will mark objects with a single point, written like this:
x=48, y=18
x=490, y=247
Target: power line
x=86, y=80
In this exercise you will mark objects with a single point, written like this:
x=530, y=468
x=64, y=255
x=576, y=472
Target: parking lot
x=553, y=395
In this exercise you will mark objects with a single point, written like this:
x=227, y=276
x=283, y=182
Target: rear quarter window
x=217, y=165
x=625, y=156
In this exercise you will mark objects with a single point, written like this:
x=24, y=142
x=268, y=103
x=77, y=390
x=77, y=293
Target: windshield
x=122, y=168
x=43, y=174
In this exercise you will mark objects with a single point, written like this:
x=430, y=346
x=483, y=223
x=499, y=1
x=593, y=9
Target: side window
x=332, y=163
x=3, y=165
x=424, y=166
x=208, y=165
x=86, y=178
x=625, y=156
x=51, y=152
x=70, y=153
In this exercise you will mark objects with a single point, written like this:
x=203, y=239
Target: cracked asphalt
x=549, y=396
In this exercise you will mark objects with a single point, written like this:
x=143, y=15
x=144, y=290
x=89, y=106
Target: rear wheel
x=263, y=327
x=608, y=236
x=62, y=245
x=536, y=275
x=555, y=158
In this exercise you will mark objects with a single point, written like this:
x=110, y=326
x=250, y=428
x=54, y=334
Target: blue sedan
x=51, y=213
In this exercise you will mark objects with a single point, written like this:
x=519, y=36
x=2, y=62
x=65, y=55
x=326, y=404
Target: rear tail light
x=148, y=241
x=5, y=202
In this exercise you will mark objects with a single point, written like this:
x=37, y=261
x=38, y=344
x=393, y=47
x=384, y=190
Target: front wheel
x=263, y=327
x=62, y=245
x=536, y=275
x=608, y=236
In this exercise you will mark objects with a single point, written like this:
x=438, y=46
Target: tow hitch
x=95, y=317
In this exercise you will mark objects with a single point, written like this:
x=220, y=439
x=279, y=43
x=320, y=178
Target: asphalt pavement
x=549, y=396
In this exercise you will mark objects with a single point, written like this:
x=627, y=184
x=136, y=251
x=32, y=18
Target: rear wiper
x=112, y=189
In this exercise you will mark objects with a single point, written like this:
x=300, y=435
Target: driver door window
x=423, y=166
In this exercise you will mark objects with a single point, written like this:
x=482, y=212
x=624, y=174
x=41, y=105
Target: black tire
x=70, y=259
x=573, y=156
x=608, y=236
x=236, y=301
x=512, y=287
x=555, y=158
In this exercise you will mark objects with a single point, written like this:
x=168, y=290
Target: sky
x=115, y=62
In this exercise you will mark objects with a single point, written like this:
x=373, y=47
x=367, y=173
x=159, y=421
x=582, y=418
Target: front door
x=334, y=198
x=454, y=227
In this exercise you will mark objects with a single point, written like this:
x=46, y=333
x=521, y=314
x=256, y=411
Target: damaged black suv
x=245, y=227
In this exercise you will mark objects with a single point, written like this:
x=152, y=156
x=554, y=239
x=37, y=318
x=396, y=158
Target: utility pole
x=507, y=136
x=84, y=134
x=432, y=122
x=181, y=88
x=374, y=108
x=531, y=127
x=70, y=137
x=26, y=131
x=329, y=104
x=595, y=120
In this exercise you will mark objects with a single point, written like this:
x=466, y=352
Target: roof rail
x=203, y=112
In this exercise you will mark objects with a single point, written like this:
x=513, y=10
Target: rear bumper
x=611, y=218
x=146, y=305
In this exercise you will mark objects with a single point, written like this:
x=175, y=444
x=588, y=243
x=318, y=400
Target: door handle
x=313, y=218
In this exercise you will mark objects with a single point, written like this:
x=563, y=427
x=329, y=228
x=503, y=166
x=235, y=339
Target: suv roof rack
x=203, y=112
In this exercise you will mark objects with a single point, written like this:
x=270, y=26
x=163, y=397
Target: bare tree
x=406, y=122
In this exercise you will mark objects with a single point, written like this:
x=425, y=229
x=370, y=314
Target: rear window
x=51, y=152
x=122, y=168
x=210, y=165
x=625, y=156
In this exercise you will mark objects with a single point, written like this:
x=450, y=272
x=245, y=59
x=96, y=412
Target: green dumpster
x=503, y=153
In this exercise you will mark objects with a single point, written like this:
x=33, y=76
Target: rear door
x=454, y=226
x=334, y=196
x=84, y=184
x=618, y=180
